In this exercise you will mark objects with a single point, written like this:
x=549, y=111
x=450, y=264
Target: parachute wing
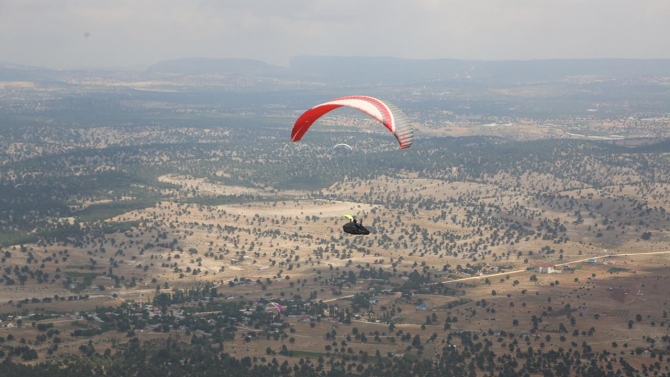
x=274, y=305
x=351, y=218
x=344, y=145
x=385, y=112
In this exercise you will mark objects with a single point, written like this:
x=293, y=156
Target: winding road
x=519, y=271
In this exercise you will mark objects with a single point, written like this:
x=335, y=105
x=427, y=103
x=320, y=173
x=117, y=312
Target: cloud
x=124, y=32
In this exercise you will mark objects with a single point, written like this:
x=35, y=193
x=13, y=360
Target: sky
x=118, y=33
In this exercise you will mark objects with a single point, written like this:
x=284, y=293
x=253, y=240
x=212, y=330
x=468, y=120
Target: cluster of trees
x=473, y=357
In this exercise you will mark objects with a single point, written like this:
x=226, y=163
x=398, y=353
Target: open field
x=292, y=248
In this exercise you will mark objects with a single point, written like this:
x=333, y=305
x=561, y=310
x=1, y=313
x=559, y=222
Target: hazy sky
x=53, y=33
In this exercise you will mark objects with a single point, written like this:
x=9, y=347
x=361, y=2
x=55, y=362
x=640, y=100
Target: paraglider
x=383, y=111
x=354, y=227
x=343, y=145
x=275, y=306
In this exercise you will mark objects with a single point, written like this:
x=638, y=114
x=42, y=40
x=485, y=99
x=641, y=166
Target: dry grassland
x=276, y=239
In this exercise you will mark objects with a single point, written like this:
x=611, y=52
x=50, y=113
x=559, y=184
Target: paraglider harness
x=355, y=227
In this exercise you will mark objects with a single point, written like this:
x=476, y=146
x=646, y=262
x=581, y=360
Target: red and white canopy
x=385, y=112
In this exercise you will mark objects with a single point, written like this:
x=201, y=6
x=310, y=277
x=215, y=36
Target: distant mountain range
x=205, y=66
x=387, y=70
x=394, y=70
x=18, y=72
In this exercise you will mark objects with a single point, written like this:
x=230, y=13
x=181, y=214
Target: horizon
x=140, y=67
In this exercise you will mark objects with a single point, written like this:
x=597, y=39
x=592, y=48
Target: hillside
x=395, y=70
x=208, y=66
